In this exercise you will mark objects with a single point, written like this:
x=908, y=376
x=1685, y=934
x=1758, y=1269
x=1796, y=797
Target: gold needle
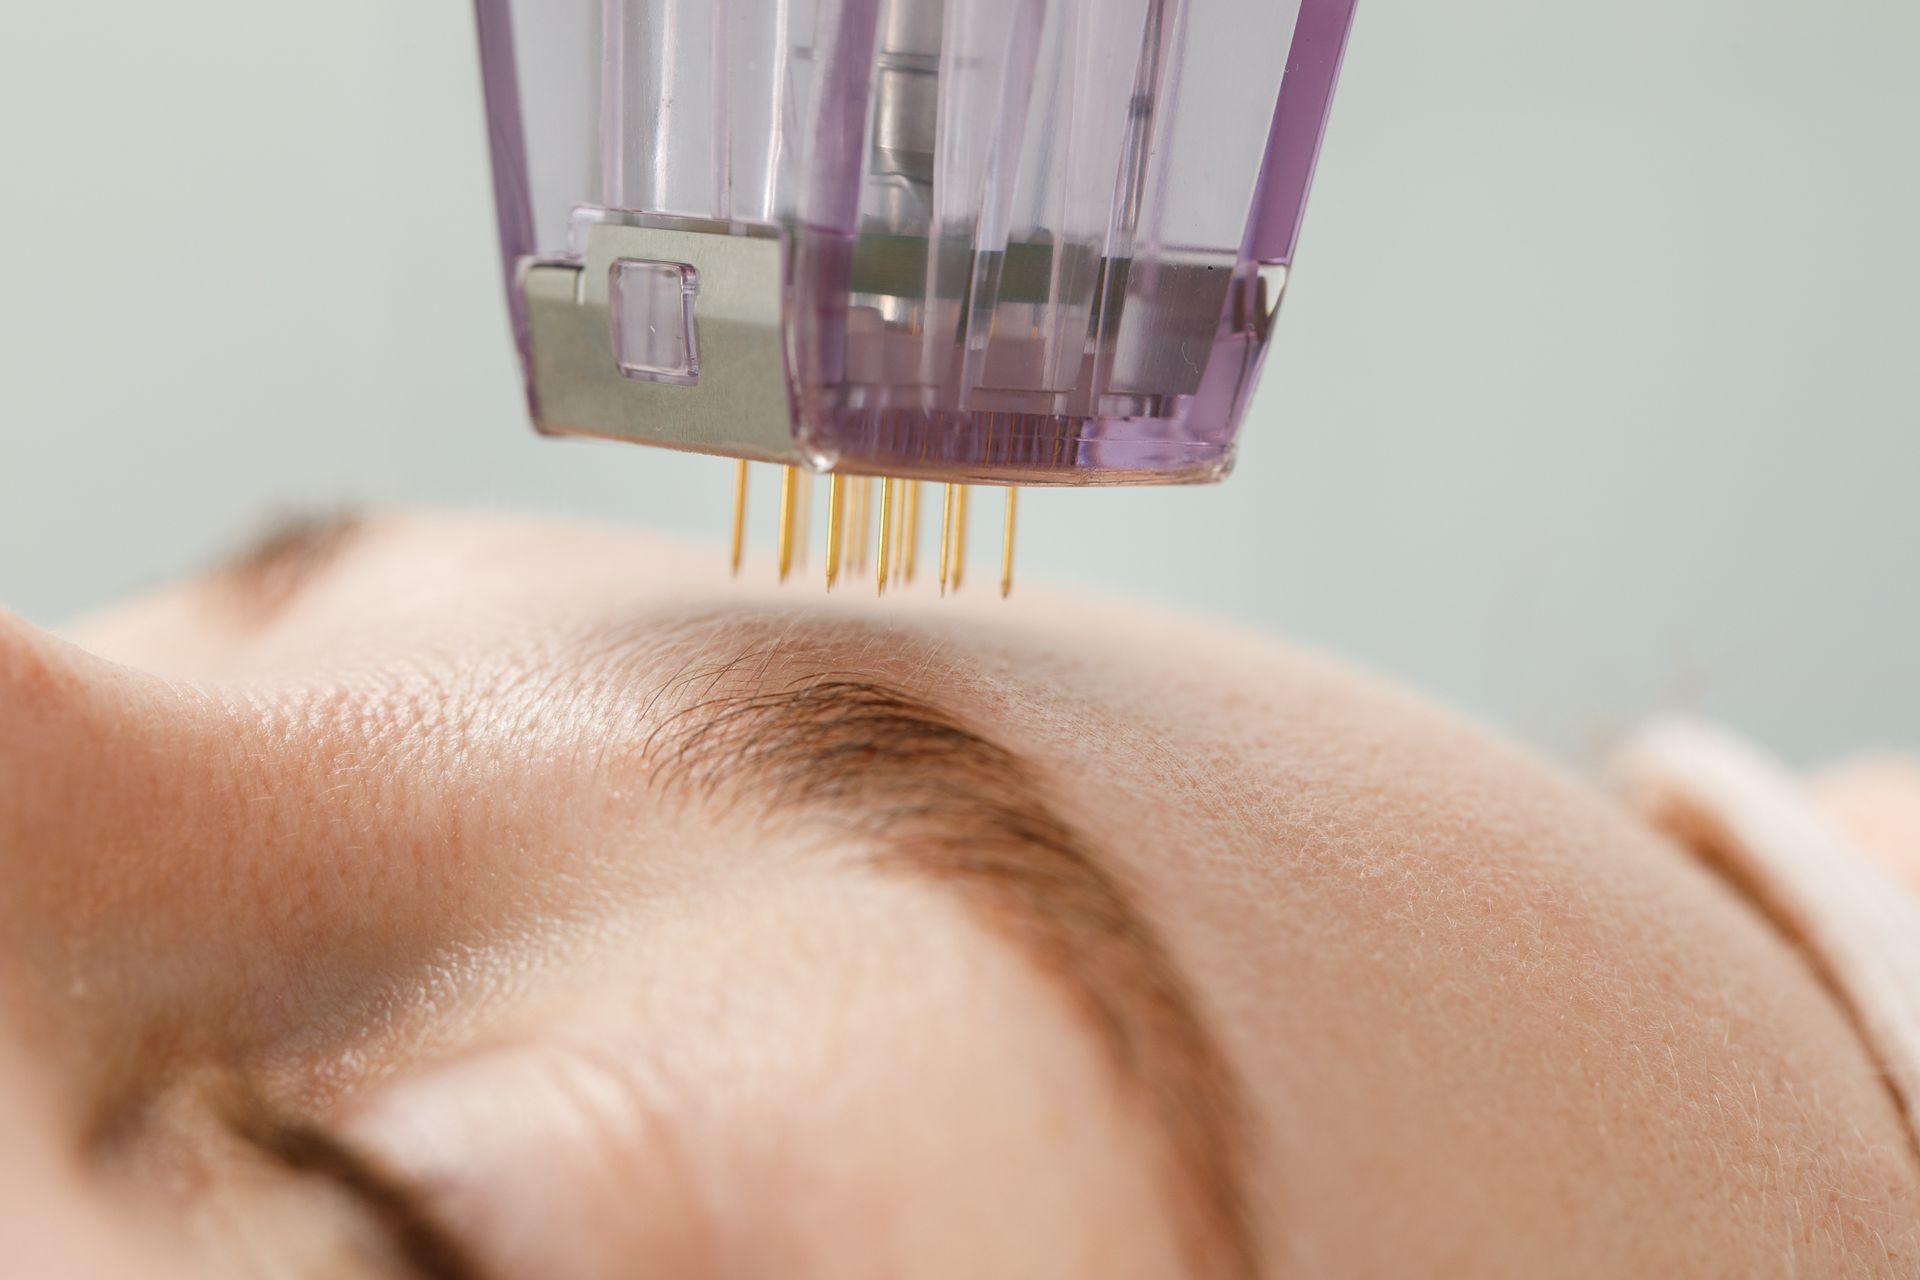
x=739, y=513
x=836, y=518
x=1006, y=544
x=866, y=522
x=853, y=522
x=899, y=532
x=885, y=558
x=868, y=506
x=960, y=534
x=946, y=536
x=913, y=528
x=789, y=512
x=897, y=557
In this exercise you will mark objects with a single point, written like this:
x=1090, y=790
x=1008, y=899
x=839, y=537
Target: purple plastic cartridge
x=1021, y=242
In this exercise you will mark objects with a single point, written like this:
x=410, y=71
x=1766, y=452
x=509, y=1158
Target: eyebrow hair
x=268, y=571
x=940, y=800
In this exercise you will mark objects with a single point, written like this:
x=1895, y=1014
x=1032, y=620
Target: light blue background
x=1595, y=393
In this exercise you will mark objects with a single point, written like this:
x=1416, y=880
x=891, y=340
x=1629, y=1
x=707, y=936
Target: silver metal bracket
x=717, y=386
x=1273, y=291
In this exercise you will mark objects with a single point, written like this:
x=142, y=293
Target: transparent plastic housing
x=1022, y=240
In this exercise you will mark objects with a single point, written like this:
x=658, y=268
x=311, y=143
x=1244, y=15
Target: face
x=457, y=899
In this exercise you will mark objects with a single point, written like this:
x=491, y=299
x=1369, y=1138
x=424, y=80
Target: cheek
x=61, y=1228
x=52, y=1223
x=169, y=1195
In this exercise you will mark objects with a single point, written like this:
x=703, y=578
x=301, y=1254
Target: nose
x=100, y=795
x=107, y=791
x=210, y=867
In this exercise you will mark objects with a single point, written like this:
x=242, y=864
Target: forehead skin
x=1484, y=1020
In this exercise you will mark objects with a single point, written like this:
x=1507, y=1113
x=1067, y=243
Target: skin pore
x=606, y=919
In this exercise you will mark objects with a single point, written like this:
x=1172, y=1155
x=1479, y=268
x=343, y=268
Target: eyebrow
x=269, y=570
x=940, y=800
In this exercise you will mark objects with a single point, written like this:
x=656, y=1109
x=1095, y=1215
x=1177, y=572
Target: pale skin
x=389, y=854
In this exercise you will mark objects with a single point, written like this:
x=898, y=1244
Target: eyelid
x=428, y=1249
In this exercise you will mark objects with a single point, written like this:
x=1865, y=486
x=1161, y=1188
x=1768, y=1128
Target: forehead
x=1473, y=998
